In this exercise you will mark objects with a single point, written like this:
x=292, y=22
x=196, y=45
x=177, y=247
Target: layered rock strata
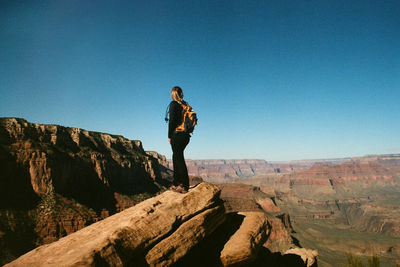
x=246, y=198
x=44, y=158
x=221, y=170
x=56, y=180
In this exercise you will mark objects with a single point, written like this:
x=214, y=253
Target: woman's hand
x=169, y=140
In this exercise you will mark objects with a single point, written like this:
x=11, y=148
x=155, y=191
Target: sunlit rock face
x=56, y=180
x=149, y=231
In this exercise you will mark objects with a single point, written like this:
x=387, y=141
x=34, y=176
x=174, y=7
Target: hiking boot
x=181, y=189
x=178, y=189
x=172, y=188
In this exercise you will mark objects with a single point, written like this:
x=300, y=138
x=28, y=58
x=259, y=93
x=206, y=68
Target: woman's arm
x=175, y=111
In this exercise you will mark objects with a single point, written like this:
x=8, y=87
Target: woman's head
x=177, y=94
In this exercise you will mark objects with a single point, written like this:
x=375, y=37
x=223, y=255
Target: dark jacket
x=175, y=117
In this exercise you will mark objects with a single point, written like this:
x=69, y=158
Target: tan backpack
x=189, y=119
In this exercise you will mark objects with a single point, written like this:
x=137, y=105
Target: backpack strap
x=167, y=113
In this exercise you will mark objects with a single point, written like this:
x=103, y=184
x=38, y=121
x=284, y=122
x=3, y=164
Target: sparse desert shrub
x=354, y=261
x=374, y=261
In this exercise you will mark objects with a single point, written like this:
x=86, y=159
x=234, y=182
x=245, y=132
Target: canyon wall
x=56, y=180
x=223, y=170
x=348, y=207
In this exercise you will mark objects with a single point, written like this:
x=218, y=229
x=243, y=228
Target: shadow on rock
x=208, y=252
x=267, y=258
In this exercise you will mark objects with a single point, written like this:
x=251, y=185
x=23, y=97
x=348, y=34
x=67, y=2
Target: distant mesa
x=225, y=170
x=220, y=169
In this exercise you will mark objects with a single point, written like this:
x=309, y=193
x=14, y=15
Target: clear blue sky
x=277, y=80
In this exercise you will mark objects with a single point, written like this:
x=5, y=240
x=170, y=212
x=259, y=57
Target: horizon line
x=294, y=160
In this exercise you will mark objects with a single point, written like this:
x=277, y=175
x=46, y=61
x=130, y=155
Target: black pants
x=178, y=143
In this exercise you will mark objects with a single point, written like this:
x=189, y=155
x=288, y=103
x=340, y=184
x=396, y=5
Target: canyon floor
x=363, y=224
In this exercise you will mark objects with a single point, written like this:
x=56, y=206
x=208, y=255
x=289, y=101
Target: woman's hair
x=177, y=94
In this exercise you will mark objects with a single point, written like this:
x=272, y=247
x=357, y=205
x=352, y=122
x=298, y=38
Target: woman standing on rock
x=178, y=141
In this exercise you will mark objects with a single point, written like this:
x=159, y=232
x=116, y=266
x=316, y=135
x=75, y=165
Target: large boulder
x=127, y=237
x=309, y=256
x=243, y=246
x=188, y=235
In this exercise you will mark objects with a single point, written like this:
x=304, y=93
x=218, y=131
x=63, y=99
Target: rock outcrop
x=56, y=180
x=246, y=198
x=64, y=159
x=185, y=238
x=242, y=248
x=159, y=232
x=373, y=218
x=307, y=255
x=242, y=197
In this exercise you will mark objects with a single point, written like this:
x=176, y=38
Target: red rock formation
x=267, y=204
x=211, y=170
x=280, y=239
x=227, y=168
x=388, y=161
x=241, y=197
x=343, y=173
x=62, y=179
x=219, y=170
